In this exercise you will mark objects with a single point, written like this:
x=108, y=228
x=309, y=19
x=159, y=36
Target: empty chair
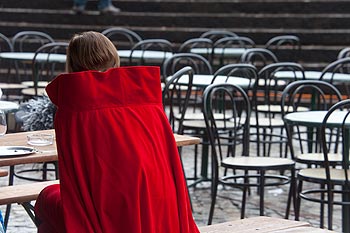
x=215, y=35
x=150, y=52
x=199, y=64
x=267, y=123
x=201, y=46
x=286, y=47
x=49, y=61
x=230, y=49
x=332, y=182
x=308, y=95
x=259, y=57
x=122, y=38
x=338, y=74
x=226, y=110
x=28, y=41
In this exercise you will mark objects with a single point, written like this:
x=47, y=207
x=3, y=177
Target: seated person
x=119, y=166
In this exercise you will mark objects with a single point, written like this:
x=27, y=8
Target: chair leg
x=322, y=208
x=291, y=194
x=214, y=189
x=262, y=191
x=298, y=200
x=330, y=209
x=244, y=195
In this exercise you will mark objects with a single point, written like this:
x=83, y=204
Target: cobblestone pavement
x=227, y=208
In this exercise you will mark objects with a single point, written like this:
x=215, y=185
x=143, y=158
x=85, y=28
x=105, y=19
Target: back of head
x=91, y=51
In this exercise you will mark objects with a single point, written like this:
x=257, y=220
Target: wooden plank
x=22, y=193
x=184, y=140
x=260, y=224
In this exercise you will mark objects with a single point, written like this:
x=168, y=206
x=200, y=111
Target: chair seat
x=199, y=116
x=319, y=174
x=266, y=122
x=315, y=158
x=31, y=92
x=278, y=109
x=259, y=163
x=201, y=124
x=31, y=83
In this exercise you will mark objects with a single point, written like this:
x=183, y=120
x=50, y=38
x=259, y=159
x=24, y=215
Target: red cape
x=119, y=166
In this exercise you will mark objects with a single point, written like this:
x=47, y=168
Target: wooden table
x=49, y=153
x=261, y=224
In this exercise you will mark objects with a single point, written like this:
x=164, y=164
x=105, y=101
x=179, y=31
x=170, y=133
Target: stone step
x=210, y=6
x=158, y=19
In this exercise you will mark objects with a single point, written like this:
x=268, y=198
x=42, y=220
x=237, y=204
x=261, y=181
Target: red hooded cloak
x=119, y=166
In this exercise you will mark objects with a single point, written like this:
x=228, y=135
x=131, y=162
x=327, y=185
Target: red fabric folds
x=119, y=166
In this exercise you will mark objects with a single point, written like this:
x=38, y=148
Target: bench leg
x=29, y=208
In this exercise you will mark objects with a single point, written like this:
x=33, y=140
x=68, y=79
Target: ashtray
x=41, y=139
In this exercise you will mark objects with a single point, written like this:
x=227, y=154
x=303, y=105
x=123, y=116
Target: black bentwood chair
x=227, y=113
x=334, y=179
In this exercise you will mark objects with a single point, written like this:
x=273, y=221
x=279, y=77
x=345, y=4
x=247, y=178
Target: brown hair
x=91, y=51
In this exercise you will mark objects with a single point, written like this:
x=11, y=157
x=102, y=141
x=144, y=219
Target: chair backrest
x=215, y=35
x=30, y=41
x=223, y=46
x=176, y=98
x=268, y=88
x=330, y=72
x=337, y=117
x=48, y=62
x=286, y=47
x=201, y=46
x=259, y=57
x=122, y=38
x=199, y=64
x=345, y=52
x=226, y=110
x=5, y=44
x=306, y=95
x=313, y=94
x=139, y=54
x=247, y=71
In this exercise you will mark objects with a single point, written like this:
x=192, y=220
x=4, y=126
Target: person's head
x=91, y=51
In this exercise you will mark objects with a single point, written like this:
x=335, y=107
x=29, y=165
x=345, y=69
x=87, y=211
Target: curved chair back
x=199, y=64
x=201, y=46
x=215, y=35
x=230, y=49
x=48, y=62
x=30, y=41
x=307, y=95
x=122, y=38
x=286, y=47
x=259, y=57
x=5, y=44
x=345, y=52
x=176, y=97
x=151, y=52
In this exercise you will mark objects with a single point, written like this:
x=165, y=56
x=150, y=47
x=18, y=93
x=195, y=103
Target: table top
x=225, y=52
x=203, y=80
x=28, y=56
x=312, y=75
x=49, y=153
x=315, y=118
x=147, y=54
x=261, y=224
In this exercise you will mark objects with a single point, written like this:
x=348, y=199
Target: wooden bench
x=261, y=224
x=23, y=194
